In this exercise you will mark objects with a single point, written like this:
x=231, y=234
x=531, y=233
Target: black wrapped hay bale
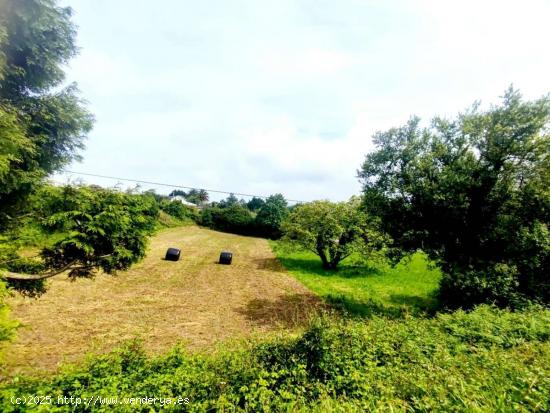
x=226, y=257
x=172, y=254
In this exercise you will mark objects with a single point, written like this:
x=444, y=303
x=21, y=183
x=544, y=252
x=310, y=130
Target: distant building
x=184, y=201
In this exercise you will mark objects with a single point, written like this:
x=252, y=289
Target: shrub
x=178, y=210
x=235, y=219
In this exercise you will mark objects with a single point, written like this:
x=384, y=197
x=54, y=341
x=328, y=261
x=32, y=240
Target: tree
x=106, y=229
x=271, y=215
x=192, y=196
x=178, y=192
x=333, y=231
x=473, y=192
x=197, y=196
x=202, y=196
x=229, y=201
x=255, y=204
x=44, y=126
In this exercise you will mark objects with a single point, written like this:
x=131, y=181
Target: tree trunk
x=321, y=253
x=331, y=265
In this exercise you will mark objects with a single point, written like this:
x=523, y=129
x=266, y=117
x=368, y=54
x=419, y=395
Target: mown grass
x=366, y=289
x=194, y=301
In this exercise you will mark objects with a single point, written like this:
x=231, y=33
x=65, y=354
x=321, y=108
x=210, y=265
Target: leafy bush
x=178, y=210
x=485, y=360
x=104, y=229
x=235, y=219
x=239, y=217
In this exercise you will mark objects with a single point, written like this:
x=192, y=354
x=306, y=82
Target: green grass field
x=365, y=290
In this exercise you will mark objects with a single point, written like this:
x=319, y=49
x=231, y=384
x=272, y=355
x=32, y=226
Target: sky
x=284, y=96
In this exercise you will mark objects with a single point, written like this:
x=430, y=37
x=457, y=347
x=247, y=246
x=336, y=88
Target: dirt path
x=194, y=301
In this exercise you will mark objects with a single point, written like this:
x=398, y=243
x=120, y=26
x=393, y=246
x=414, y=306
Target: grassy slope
x=410, y=287
x=168, y=221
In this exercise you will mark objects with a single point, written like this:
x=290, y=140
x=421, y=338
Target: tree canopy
x=42, y=125
x=255, y=203
x=271, y=215
x=333, y=231
x=105, y=229
x=474, y=192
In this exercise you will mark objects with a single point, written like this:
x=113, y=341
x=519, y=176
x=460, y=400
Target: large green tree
x=197, y=196
x=271, y=215
x=100, y=229
x=42, y=123
x=474, y=192
x=255, y=204
x=332, y=231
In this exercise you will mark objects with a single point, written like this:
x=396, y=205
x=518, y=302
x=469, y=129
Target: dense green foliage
x=486, y=360
x=41, y=126
x=255, y=204
x=261, y=219
x=367, y=287
x=474, y=192
x=271, y=215
x=106, y=229
x=331, y=230
x=81, y=229
x=195, y=196
x=178, y=210
x=235, y=219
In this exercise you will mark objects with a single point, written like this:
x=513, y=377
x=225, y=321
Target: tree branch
x=32, y=277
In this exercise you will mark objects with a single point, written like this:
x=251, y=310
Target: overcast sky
x=284, y=96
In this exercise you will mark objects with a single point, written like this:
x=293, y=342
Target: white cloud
x=308, y=63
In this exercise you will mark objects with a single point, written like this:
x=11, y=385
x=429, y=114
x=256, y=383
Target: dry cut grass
x=194, y=301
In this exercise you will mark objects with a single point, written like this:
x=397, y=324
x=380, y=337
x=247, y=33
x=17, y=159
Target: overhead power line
x=171, y=185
